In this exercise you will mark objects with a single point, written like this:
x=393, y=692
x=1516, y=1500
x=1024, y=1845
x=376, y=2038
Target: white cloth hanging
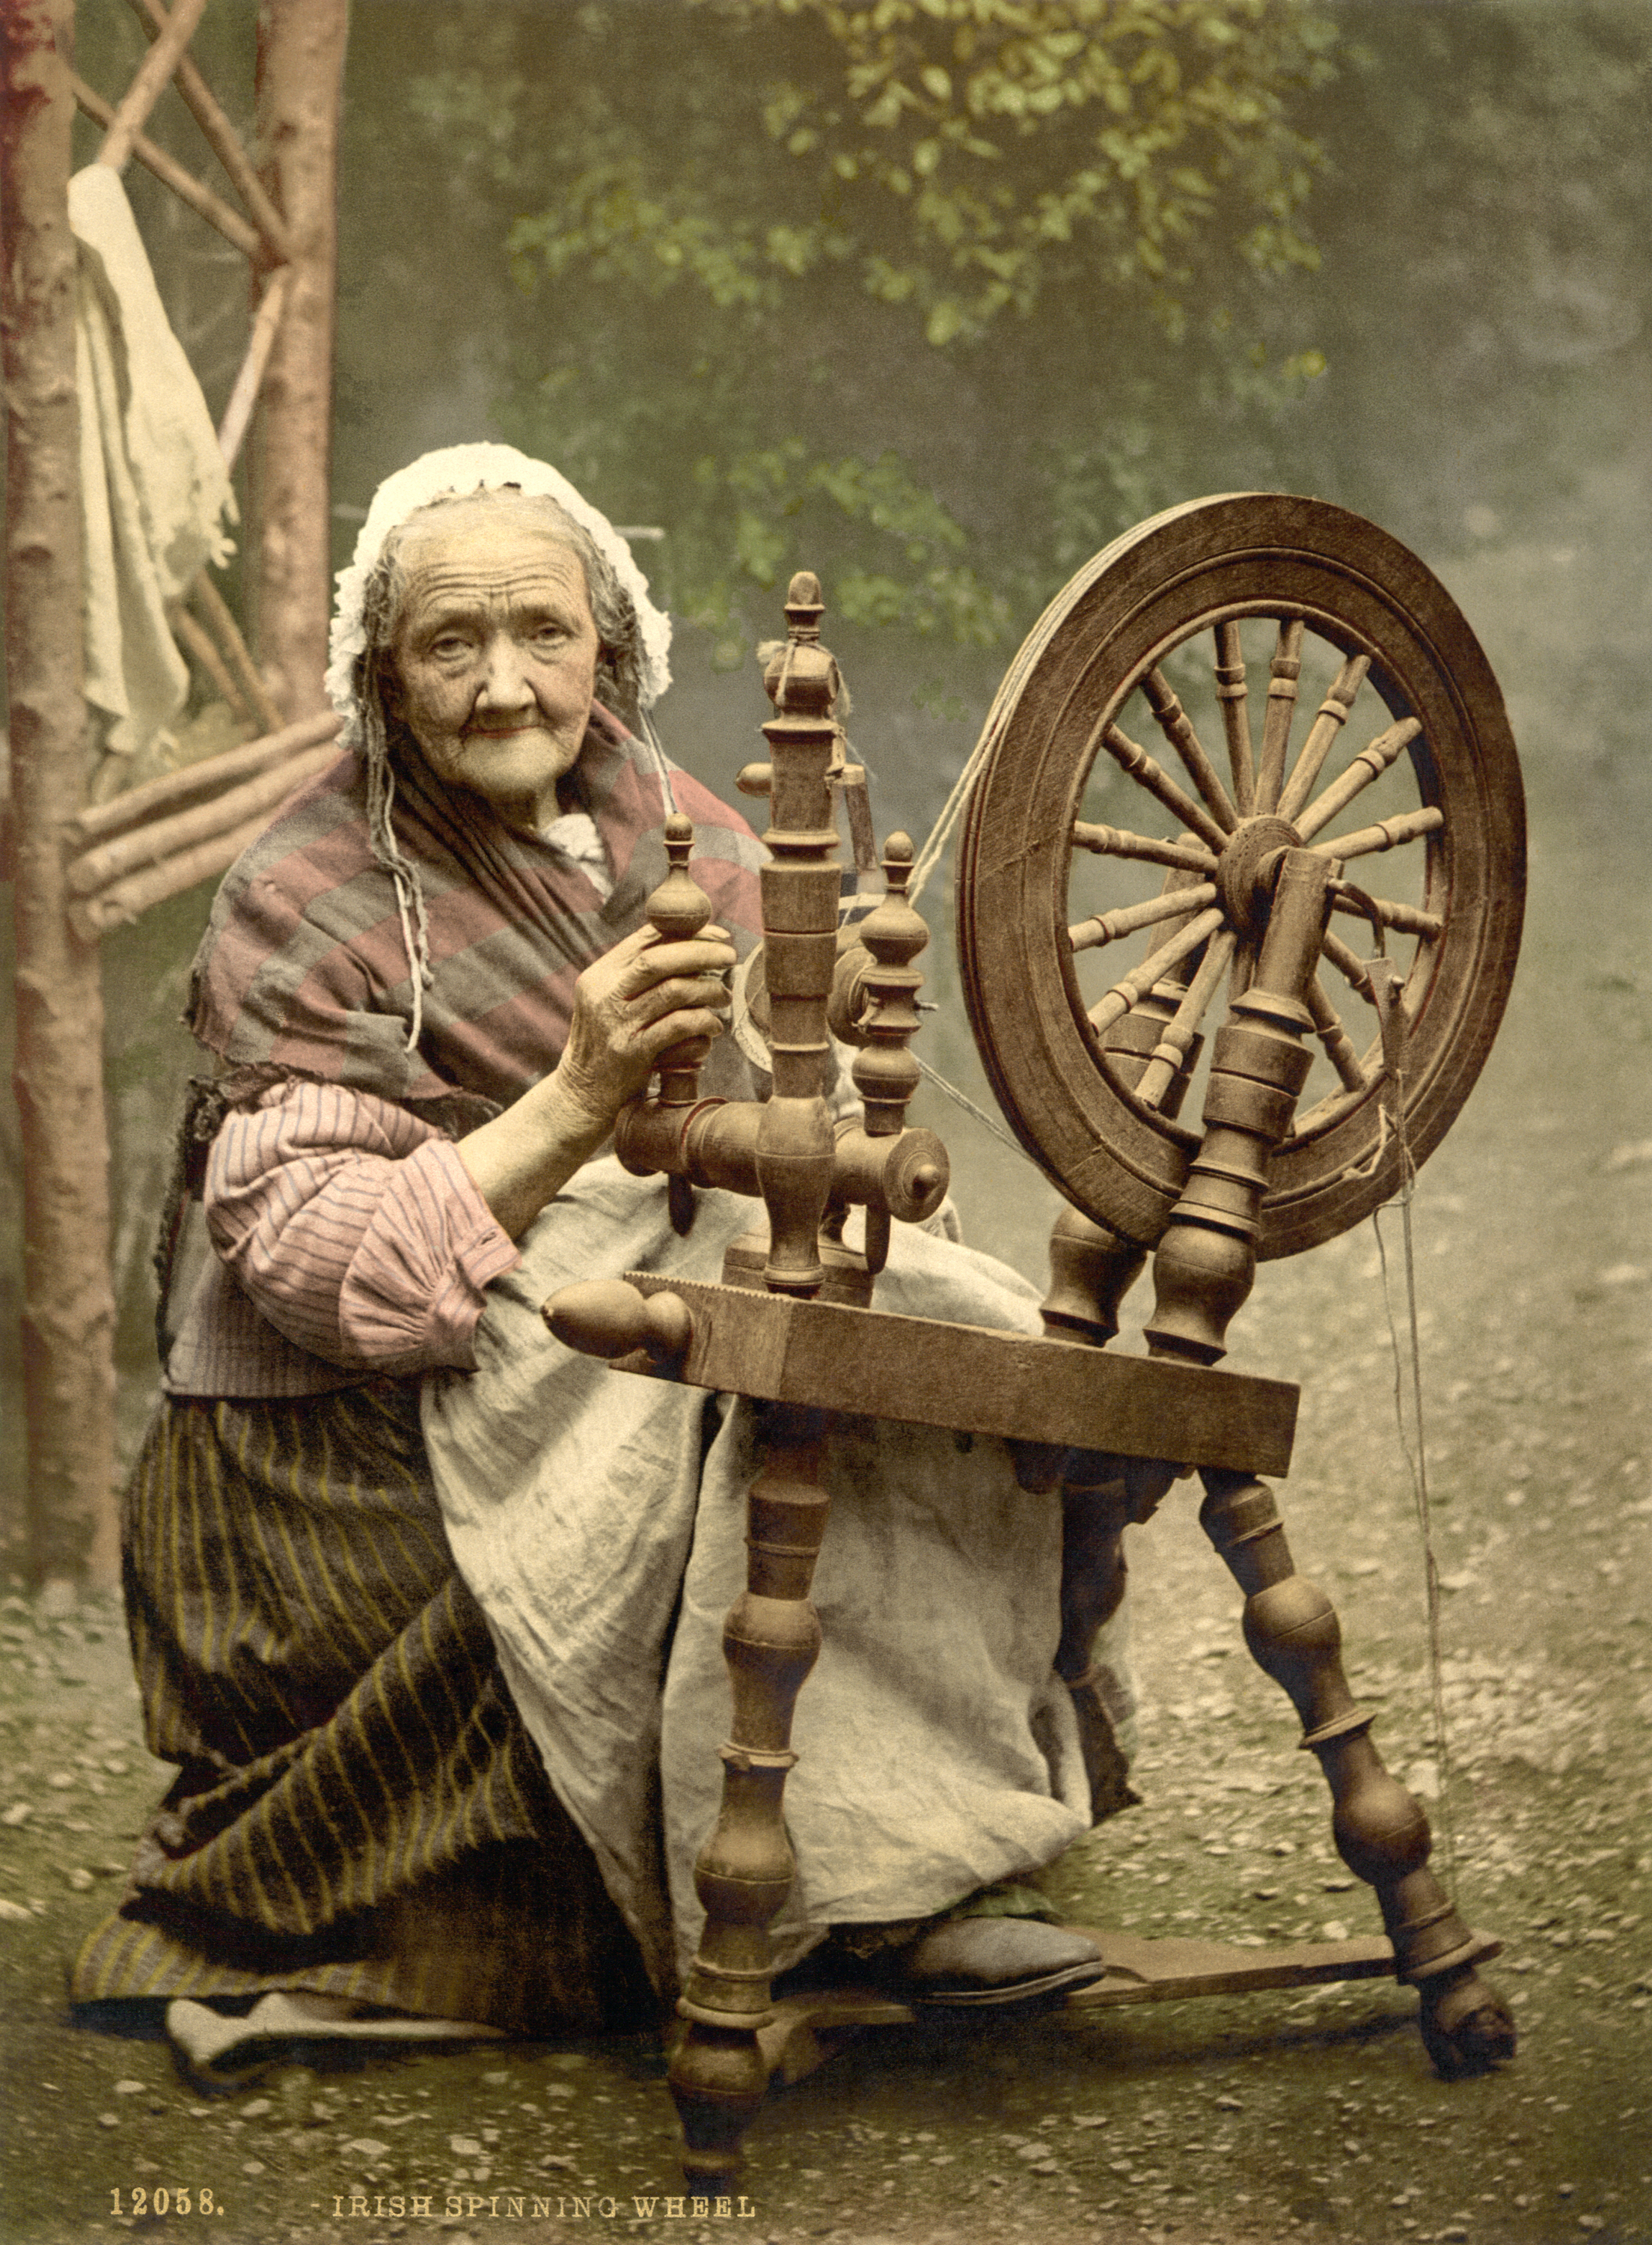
x=154, y=491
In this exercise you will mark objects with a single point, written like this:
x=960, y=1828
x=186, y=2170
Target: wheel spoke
x=1339, y=1049
x=1152, y=776
x=1131, y=988
x=1107, y=927
x=1171, y=1055
x=1332, y=715
x=1236, y=714
x=1406, y=920
x=1371, y=764
x=1194, y=896
x=1284, y=672
x=1349, y=965
x=1118, y=842
x=1387, y=834
x=1175, y=723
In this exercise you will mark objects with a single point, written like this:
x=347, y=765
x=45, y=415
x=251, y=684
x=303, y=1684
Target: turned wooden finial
x=886, y=1073
x=800, y=889
x=804, y=606
x=607, y=1318
x=677, y=909
x=1091, y=1269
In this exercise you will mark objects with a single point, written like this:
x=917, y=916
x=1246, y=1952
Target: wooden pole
x=301, y=65
x=127, y=900
x=199, y=643
x=158, y=798
x=172, y=174
x=131, y=113
x=222, y=137
x=215, y=614
x=158, y=839
x=243, y=398
x=69, y=1311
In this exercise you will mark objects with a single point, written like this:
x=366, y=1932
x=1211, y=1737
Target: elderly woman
x=469, y=1795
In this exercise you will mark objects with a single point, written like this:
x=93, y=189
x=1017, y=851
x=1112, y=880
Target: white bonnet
x=467, y=468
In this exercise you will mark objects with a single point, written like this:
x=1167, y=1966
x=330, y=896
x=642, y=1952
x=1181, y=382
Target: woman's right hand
x=630, y=1006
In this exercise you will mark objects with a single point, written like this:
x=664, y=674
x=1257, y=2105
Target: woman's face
x=495, y=653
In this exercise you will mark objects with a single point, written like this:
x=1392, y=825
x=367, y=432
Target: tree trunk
x=68, y=1305
x=301, y=65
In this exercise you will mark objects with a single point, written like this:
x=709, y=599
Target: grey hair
x=619, y=675
x=620, y=659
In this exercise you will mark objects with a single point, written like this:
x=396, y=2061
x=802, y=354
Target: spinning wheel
x=1167, y=636
x=1093, y=1066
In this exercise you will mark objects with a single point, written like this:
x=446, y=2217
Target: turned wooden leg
x=1093, y=1572
x=1100, y=1496
x=1381, y=1831
x=1093, y=1581
x=744, y=1871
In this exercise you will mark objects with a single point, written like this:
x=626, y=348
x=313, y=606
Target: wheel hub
x=1249, y=867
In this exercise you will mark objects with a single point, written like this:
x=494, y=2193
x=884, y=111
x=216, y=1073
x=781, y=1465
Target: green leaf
x=759, y=545
x=993, y=215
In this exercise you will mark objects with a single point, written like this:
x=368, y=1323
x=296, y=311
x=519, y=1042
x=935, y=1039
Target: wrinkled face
x=495, y=653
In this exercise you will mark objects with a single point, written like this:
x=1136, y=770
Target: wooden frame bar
x=171, y=174
x=171, y=792
x=223, y=140
x=132, y=112
x=974, y=1380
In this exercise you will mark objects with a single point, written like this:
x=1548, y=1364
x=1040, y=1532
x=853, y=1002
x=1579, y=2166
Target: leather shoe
x=970, y=1962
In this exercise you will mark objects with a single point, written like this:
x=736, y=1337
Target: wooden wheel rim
x=1248, y=554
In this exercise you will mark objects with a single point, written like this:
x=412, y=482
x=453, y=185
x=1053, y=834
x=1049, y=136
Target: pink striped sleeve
x=355, y=1228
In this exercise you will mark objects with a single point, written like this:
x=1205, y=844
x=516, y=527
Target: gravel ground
x=1213, y=2122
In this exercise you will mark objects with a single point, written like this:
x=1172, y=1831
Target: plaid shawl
x=304, y=968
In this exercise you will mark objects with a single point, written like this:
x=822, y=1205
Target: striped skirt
x=358, y=1809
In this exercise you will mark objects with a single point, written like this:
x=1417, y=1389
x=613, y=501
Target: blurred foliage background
x=936, y=297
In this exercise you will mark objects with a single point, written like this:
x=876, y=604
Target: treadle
x=805, y=2029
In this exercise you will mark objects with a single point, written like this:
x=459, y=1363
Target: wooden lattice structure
x=80, y=869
